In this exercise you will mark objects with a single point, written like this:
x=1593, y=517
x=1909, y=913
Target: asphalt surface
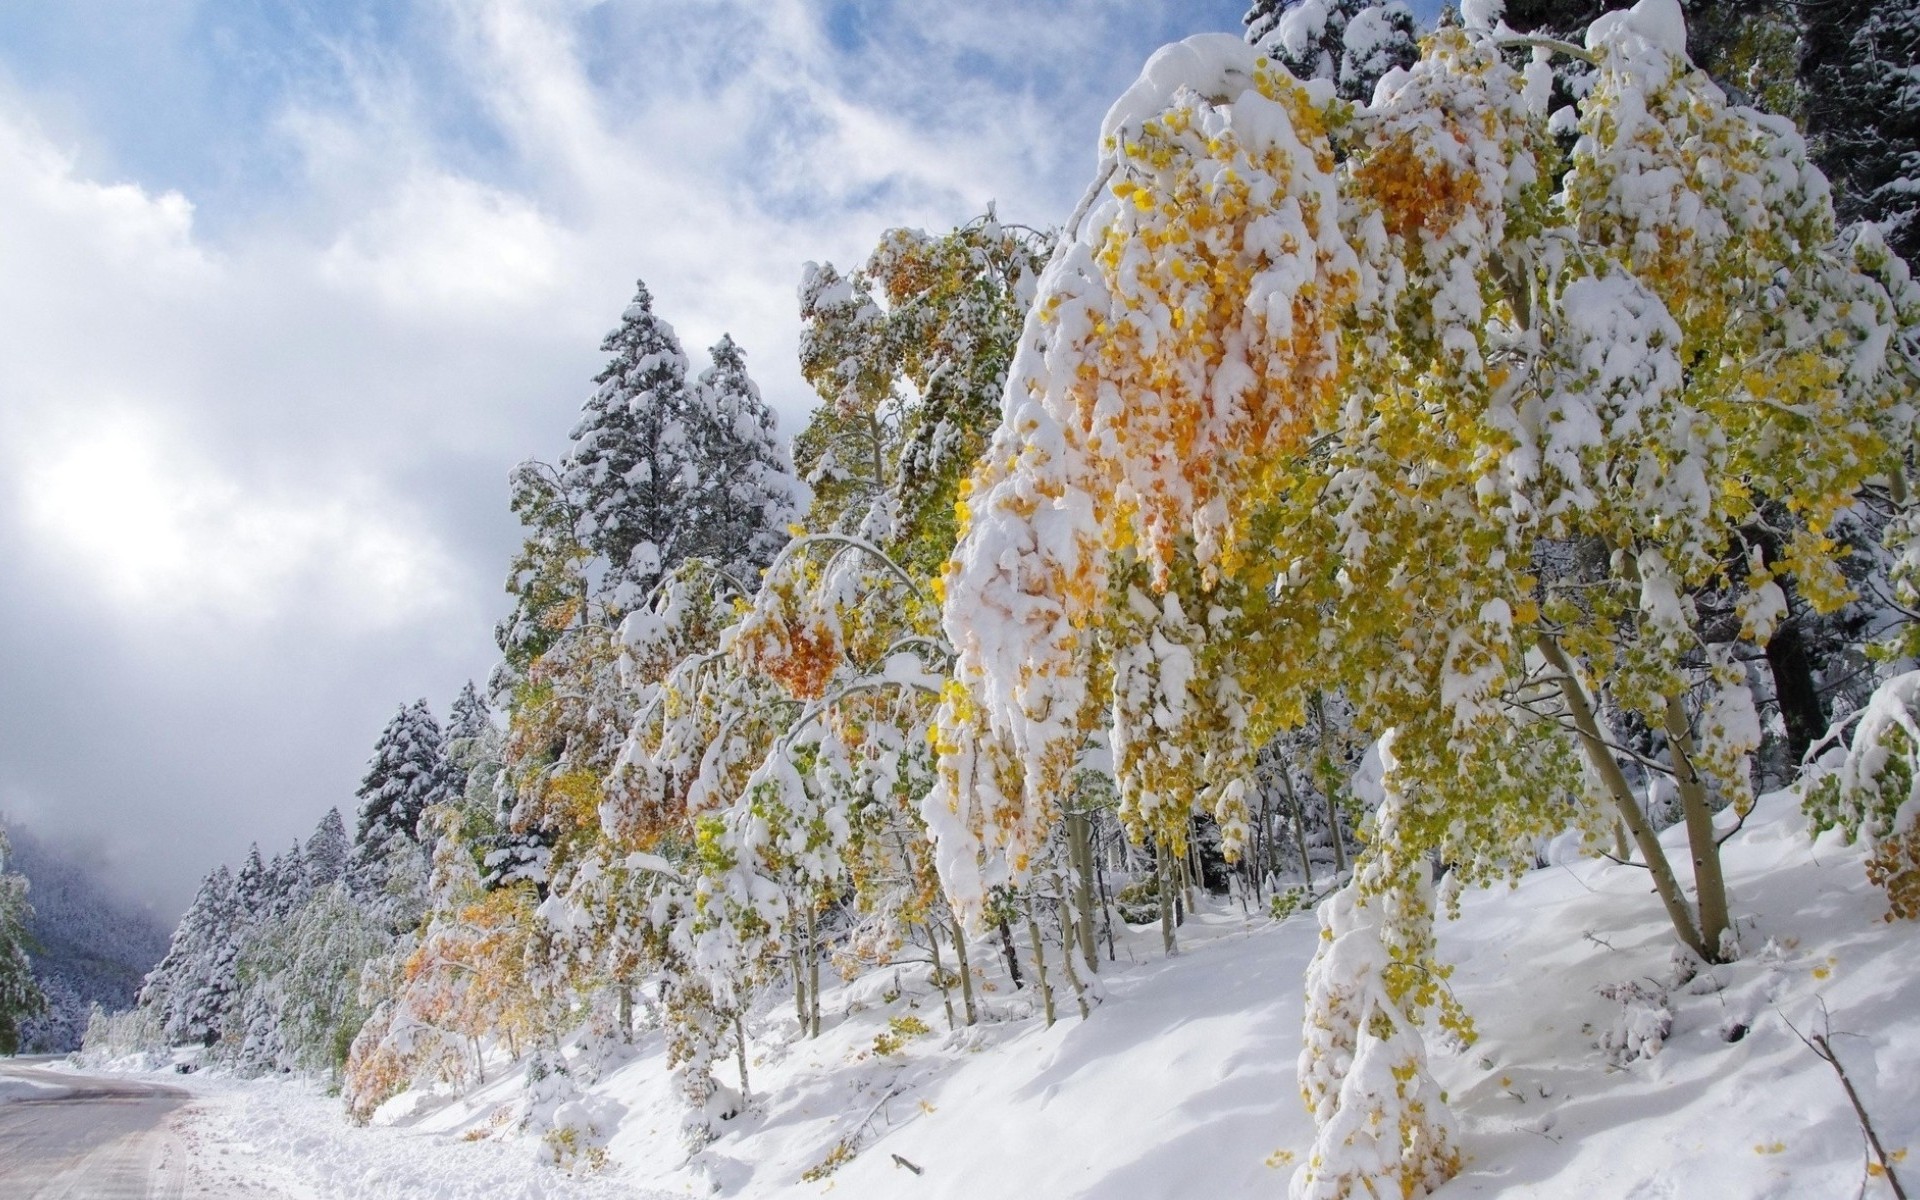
x=89, y=1138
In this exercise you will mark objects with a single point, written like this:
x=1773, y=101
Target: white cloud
x=133, y=507
x=447, y=245
x=279, y=429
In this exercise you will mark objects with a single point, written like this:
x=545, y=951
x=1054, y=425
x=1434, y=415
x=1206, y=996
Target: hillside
x=1182, y=1081
x=92, y=947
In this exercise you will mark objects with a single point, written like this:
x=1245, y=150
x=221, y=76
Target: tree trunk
x=1006, y=946
x=1106, y=898
x=1066, y=957
x=1039, y=960
x=1787, y=659
x=799, y=978
x=1163, y=871
x=940, y=975
x=1299, y=831
x=1080, y=856
x=740, y=1050
x=1793, y=686
x=1709, y=883
x=1600, y=756
x=1327, y=774
x=813, y=974
x=966, y=971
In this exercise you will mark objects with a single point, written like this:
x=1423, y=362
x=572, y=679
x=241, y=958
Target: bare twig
x=1824, y=1051
x=1621, y=861
x=901, y=1162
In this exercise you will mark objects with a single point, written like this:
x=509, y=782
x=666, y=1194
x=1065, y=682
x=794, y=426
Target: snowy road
x=67, y=1135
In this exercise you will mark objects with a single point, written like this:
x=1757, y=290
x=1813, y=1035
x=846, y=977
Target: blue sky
x=289, y=286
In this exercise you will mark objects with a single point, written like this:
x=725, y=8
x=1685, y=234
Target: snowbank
x=14, y=1088
x=1603, y=1067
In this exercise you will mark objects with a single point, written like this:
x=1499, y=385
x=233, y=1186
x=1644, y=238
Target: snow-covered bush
x=1382, y=1126
x=1640, y=1026
x=1871, y=791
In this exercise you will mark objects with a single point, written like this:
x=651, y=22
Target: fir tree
x=1862, y=72
x=324, y=857
x=406, y=774
x=181, y=989
x=470, y=718
x=629, y=455
x=744, y=493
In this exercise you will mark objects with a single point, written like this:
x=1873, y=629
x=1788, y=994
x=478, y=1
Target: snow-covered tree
x=469, y=719
x=20, y=994
x=744, y=494
x=1863, y=112
x=1868, y=792
x=407, y=774
x=626, y=469
x=325, y=854
x=1380, y=1117
x=1350, y=42
x=908, y=356
x=184, y=987
x=1404, y=406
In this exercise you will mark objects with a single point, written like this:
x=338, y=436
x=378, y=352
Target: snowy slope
x=1182, y=1083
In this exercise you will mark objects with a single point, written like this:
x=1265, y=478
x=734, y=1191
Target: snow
x=13, y=1088
x=1604, y=1067
x=1482, y=14
x=1207, y=63
x=1659, y=24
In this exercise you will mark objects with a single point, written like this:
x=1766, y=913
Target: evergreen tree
x=744, y=493
x=1351, y=42
x=626, y=469
x=548, y=578
x=469, y=719
x=324, y=857
x=1861, y=68
x=286, y=884
x=181, y=988
x=407, y=773
x=20, y=994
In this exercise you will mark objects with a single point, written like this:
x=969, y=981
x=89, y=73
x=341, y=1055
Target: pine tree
x=469, y=719
x=287, y=884
x=20, y=995
x=1350, y=42
x=406, y=774
x=626, y=469
x=744, y=494
x=324, y=857
x=1861, y=68
x=181, y=988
